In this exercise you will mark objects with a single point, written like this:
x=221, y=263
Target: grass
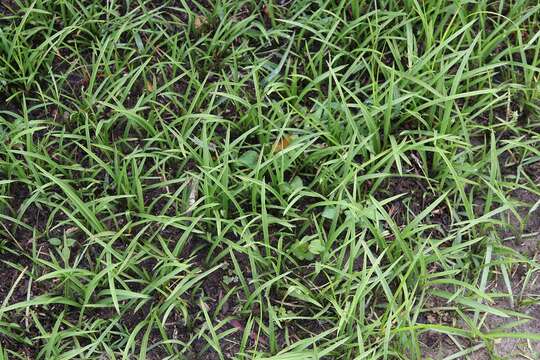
x=268, y=180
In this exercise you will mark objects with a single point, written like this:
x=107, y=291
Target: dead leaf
x=236, y=324
x=54, y=113
x=266, y=11
x=149, y=86
x=393, y=210
x=200, y=21
x=193, y=194
x=282, y=143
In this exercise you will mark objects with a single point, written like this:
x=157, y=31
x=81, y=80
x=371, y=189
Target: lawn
x=279, y=179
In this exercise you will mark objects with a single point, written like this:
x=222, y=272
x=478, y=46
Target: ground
x=269, y=179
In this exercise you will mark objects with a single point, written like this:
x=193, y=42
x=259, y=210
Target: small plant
x=307, y=248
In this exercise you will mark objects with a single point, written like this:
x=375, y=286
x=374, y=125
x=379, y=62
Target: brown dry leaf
x=266, y=11
x=54, y=113
x=237, y=324
x=85, y=79
x=200, y=21
x=282, y=143
x=149, y=86
x=393, y=210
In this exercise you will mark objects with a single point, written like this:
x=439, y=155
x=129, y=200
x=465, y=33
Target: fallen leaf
x=54, y=113
x=282, y=143
x=236, y=324
x=194, y=188
x=200, y=21
x=149, y=86
x=266, y=11
x=72, y=230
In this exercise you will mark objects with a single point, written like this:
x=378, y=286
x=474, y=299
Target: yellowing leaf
x=282, y=143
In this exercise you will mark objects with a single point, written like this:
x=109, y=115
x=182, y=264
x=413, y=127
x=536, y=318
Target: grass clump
x=270, y=180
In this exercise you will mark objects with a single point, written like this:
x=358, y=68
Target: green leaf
x=372, y=214
x=316, y=247
x=329, y=212
x=301, y=251
x=296, y=183
x=55, y=241
x=301, y=293
x=70, y=242
x=249, y=159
